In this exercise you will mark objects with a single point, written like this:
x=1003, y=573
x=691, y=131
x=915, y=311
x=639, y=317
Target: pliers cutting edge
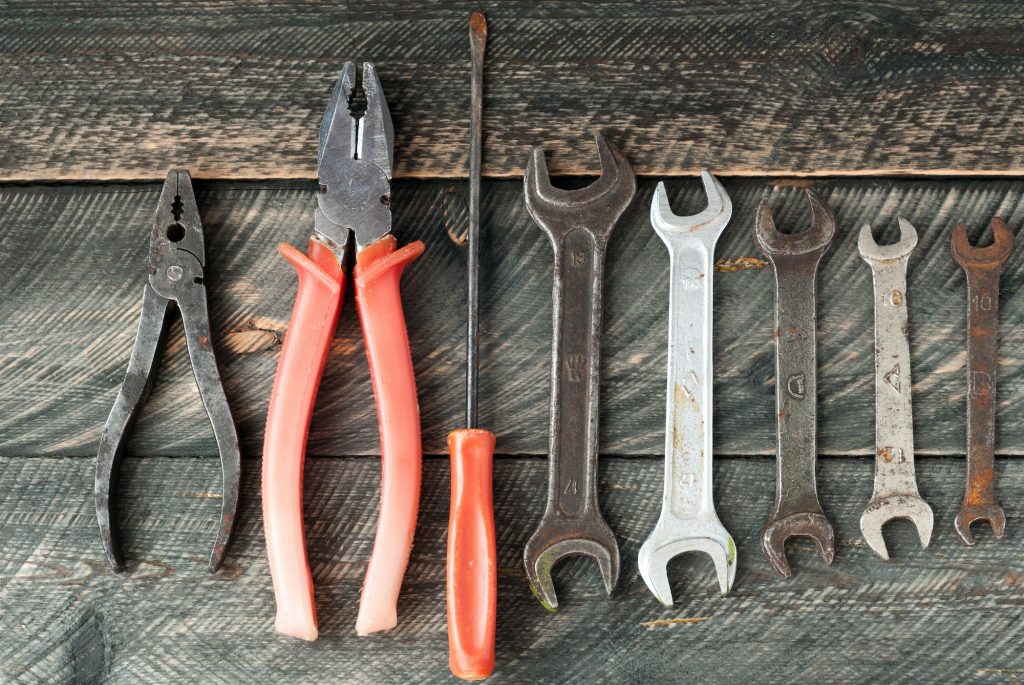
x=355, y=163
x=176, y=262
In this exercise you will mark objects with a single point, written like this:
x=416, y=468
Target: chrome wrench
x=688, y=520
x=895, y=493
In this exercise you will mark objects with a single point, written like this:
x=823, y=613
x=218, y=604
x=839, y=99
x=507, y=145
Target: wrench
x=578, y=223
x=688, y=522
x=795, y=258
x=982, y=267
x=895, y=493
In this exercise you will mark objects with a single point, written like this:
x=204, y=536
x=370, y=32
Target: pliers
x=354, y=169
x=176, y=277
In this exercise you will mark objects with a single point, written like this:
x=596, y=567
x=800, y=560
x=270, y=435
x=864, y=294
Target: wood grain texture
x=167, y=620
x=112, y=90
x=69, y=306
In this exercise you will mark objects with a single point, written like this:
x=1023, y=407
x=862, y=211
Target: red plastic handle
x=378, y=270
x=306, y=344
x=472, y=556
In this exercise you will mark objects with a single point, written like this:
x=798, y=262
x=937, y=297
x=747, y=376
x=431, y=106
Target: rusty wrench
x=895, y=494
x=982, y=266
x=578, y=223
x=688, y=520
x=795, y=258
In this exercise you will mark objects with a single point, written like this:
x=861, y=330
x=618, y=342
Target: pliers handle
x=310, y=331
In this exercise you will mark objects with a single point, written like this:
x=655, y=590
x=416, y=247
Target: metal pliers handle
x=176, y=277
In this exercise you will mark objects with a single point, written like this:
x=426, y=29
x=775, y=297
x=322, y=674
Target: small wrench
x=795, y=258
x=688, y=520
x=895, y=493
x=982, y=267
x=578, y=223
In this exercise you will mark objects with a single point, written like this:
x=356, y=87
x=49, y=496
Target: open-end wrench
x=578, y=223
x=795, y=258
x=895, y=493
x=688, y=522
x=982, y=266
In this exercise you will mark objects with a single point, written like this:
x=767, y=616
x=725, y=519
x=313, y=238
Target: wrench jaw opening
x=994, y=255
x=607, y=197
x=817, y=237
x=669, y=541
x=882, y=510
x=708, y=224
x=544, y=550
x=804, y=524
x=968, y=514
x=874, y=253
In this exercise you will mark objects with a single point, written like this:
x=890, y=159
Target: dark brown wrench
x=795, y=258
x=982, y=267
x=578, y=223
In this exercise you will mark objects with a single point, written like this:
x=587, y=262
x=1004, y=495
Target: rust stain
x=257, y=334
x=885, y=454
x=665, y=622
x=739, y=264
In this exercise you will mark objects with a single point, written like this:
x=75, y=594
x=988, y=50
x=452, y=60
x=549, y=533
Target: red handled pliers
x=355, y=163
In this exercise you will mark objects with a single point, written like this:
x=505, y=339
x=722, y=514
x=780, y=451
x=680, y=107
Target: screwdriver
x=472, y=582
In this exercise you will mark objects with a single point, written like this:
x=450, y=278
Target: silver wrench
x=578, y=223
x=895, y=493
x=688, y=521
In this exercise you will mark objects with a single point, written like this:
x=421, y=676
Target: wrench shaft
x=894, y=436
x=575, y=366
x=796, y=391
x=982, y=321
x=688, y=412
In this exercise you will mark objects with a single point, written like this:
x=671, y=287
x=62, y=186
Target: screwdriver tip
x=478, y=26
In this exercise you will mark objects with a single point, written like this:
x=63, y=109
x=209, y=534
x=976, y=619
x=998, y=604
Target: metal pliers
x=176, y=277
x=354, y=169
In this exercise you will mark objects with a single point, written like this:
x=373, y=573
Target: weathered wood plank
x=69, y=307
x=167, y=620
x=96, y=91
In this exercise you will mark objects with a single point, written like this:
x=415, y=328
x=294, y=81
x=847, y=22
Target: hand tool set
x=355, y=161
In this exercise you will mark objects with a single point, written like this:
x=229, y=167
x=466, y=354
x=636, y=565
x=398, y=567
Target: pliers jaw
x=355, y=162
x=176, y=248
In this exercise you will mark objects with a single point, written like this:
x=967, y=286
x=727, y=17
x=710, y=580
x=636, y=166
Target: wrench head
x=804, y=524
x=816, y=238
x=710, y=223
x=872, y=252
x=671, y=538
x=596, y=207
x=557, y=538
x=881, y=510
x=969, y=513
x=991, y=255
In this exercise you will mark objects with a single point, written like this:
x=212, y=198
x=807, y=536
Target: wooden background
x=886, y=108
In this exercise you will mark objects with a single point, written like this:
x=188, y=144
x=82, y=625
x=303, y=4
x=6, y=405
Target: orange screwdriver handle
x=472, y=556
x=378, y=270
x=306, y=344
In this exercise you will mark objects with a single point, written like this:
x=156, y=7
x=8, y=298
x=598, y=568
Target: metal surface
x=895, y=494
x=578, y=223
x=982, y=266
x=355, y=160
x=795, y=258
x=688, y=521
x=478, y=45
x=176, y=261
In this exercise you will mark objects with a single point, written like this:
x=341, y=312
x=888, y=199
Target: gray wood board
x=65, y=616
x=112, y=90
x=69, y=305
